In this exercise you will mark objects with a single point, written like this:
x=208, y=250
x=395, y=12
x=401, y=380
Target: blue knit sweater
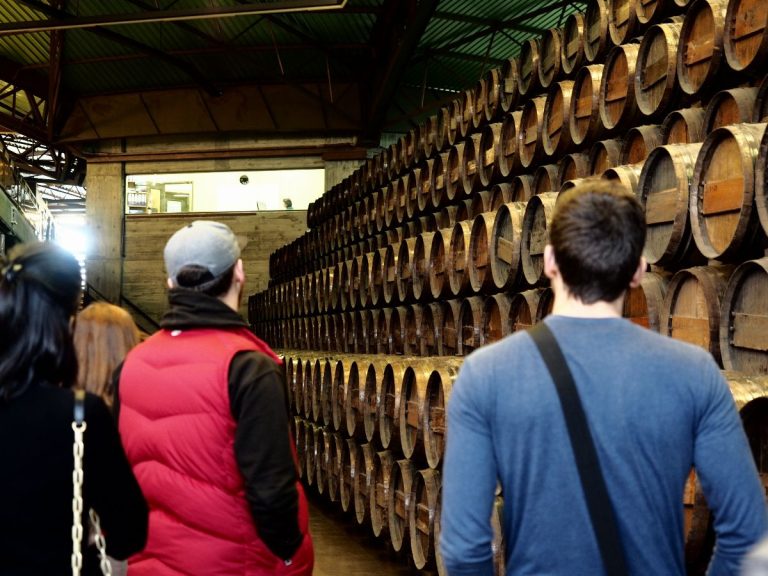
x=655, y=408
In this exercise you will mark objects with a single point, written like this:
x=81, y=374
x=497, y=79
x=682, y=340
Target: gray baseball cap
x=211, y=245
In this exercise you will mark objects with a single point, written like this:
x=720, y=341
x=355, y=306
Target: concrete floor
x=345, y=548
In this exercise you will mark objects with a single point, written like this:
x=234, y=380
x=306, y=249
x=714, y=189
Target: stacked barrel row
x=370, y=433
x=434, y=246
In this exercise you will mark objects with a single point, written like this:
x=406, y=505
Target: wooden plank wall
x=144, y=278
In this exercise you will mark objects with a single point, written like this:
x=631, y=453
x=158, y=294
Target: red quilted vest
x=178, y=432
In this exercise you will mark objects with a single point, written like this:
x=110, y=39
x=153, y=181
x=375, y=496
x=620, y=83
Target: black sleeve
x=263, y=450
x=109, y=484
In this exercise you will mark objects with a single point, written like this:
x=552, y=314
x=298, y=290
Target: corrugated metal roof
x=463, y=39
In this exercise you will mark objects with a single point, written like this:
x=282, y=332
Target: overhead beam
x=154, y=16
x=185, y=67
x=464, y=56
x=400, y=58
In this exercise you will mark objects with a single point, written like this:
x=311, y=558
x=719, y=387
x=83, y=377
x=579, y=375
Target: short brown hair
x=104, y=334
x=597, y=234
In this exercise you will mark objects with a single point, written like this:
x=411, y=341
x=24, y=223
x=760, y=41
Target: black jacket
x=259, y=406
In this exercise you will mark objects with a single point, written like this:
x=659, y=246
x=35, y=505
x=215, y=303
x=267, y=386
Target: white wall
x=266, y=189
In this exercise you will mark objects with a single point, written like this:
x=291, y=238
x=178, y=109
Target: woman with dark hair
x=39, y=296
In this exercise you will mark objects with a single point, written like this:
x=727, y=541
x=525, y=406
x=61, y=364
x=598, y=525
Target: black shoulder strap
x=595, y=492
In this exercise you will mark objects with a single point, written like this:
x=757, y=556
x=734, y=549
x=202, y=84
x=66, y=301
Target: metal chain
x=78, y=449
x=101, y=544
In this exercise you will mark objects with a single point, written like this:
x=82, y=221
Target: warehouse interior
x=394, y=166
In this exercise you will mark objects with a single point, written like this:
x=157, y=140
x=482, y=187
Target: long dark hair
x=39, y=294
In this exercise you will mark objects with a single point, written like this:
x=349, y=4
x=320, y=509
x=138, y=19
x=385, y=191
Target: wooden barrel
x=723, y=218
x=454, y=188
x=363, y=481
x=487, y=98
x=470, y=323
x=390, y=204
x=297, y=385
x=466, y=113
x=536, y=219
x=627, y=174
x=458, y=260
x=443, y=128
x=744, y=319
x=507, y=158
x=450, y=328
x=528, y=82
x=496, y=317
x=349, y=466
x=389, y=273
x=401, y=201
x=436, y=398
x=399, y=502
x=684, y=126
x=431, y=323
x=550, y=62
x=501, y=193
x=572, y=47
x=556, y=134
x=339, y=392
x=480, y=202
x=622, y=20
x=521, y=188
x=523, y=309
x=510, y=76
x=729, y=107
x=332, y=453
x=618, y=107
x=546, y=303
x=470, y=165
x=404, y=270
x=571, y=167
x=700, y=53
x=377, y=276
x=691, y=309
x=439, y=286
x=643, y=303
x=603, y=155
x=584, y=119
x=455, y=112
x=379, y=220
x=480, y=275
x=746, y=36
x=290, y=380
x=374, y=377
x=429, y=136
x=486, y=156
x=761, y=184
x=411, y=411
x=397, y=330
x=319, y=460
x=529, y=136
x=354, y=401
x=656, y=80
x=309, y=367
x=316, y=391
x=412, y=344
x=654, y=10
x=413, y=184
x=664, y=188
x=326, y=391
x=545, y=179
x=432, y=184
x=760, y=109
x=379, y=496
x=420, y=265
x=639, y=142
x=597, y=40
x=389, y=403
x=299, y=432
x=504, y=251
x=426, y=491
x=310, y=453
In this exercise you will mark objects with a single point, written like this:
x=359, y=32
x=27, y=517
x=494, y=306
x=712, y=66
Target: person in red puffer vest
x=202, y=414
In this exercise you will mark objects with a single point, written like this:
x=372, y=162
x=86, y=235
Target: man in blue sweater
x=654, y=406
